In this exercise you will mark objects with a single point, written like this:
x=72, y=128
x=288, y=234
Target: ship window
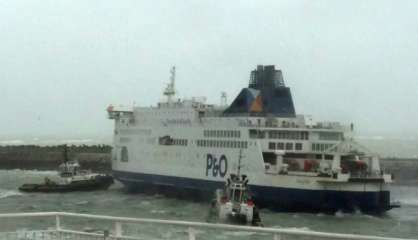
x=114, y=155
x=166, y=140
x=269, y=158
x=124, y=154
x=124, y=140
x=330, y=136
x=272, y=145
x=304, y=135
x=298, y=146
x=256, y=133
x=289, y=146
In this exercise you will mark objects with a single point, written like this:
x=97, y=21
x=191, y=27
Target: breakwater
x=97, y=158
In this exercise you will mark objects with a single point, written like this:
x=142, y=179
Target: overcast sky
x=63, y=61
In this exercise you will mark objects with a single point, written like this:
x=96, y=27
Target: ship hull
x=275, y=198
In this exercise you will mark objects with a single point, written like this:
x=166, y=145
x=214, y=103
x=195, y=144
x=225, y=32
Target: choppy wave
x=411, y=202
x=9, y=193
x=158, y=211
x=239, y=233
x=12, y=142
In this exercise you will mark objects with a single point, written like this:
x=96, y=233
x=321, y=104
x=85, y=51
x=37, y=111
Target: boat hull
x=275, y=198
x=98, y=183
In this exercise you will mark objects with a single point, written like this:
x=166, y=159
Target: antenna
x=223, y=99
x=239, y=161
x=170, y=90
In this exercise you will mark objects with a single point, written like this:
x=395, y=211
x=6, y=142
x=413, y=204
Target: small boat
x=71, y=178
x=234, y=203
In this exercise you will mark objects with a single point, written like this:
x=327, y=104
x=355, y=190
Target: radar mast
x=170, y=90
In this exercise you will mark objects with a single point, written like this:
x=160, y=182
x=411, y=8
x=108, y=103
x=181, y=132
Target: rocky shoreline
x=97, y=158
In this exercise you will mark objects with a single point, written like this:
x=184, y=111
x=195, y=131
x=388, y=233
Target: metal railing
x=116, y=229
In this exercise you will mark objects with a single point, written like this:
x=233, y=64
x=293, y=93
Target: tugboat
x=71, y=178
x=234, y=202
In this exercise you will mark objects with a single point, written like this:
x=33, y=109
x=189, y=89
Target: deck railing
x=116, y=229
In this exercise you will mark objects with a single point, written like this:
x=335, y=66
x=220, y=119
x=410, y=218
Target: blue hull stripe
x=276, y=198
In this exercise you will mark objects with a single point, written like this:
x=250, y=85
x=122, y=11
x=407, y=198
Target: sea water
x=401, y=222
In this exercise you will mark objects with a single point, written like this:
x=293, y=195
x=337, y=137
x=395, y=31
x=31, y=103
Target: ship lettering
x=216, y=167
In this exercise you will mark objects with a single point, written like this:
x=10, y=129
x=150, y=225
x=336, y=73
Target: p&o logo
x=216, y=166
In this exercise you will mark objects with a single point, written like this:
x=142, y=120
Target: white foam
x=239, y=233
x=292, y=228
x=339, y=214
x=12, y=142
x=82, y=203
x=411, y=202
x=37, y=172
x=158, y=211
x=9, y=193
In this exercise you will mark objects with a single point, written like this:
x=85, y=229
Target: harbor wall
x=97, y=158
x=404, y=170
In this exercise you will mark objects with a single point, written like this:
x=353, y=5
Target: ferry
x=293, y=163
